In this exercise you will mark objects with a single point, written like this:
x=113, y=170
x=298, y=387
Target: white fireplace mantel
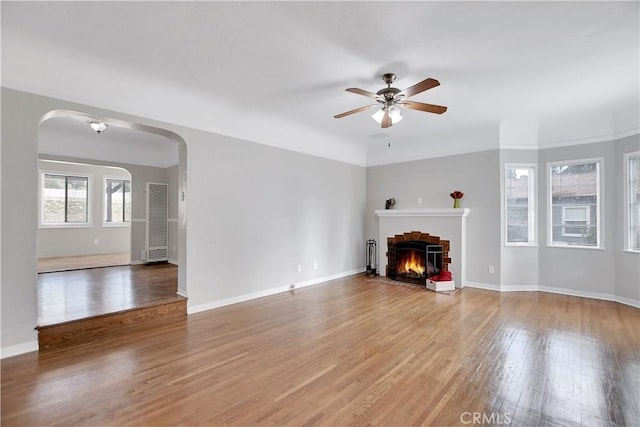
x=435, y=212
x=446, y=223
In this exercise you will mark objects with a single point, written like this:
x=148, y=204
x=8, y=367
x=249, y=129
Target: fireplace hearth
x=414, y=257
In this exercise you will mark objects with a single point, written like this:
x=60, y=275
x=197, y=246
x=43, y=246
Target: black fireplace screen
x=415, y=262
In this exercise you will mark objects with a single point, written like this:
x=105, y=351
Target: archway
x=177, y=219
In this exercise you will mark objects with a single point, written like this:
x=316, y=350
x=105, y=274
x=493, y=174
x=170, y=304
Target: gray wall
x=172, y=177
x=520, y=264
x=140, y=175
x=256, y=212
x=252, y=213
x=627, y=264
x=76, y=241
x=609, y=270
x=475, y=174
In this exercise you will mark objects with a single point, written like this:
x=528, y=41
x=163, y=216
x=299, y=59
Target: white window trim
x=586, y=208
x=89, y=176
x=599, y=204
x=532, y=215
x=104, y=200
x=627, y=199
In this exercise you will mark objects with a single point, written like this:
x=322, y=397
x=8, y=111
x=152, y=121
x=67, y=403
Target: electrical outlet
x=315, y=265
x=299, y=269
x=419, y=200
x=492, y=269
x=96, y=241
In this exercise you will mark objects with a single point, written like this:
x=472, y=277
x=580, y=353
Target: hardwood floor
x=350, y=352
x=48, y=265
x=78, y=294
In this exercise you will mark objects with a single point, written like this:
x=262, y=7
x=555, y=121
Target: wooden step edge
x=91, y=329
x=177, y=299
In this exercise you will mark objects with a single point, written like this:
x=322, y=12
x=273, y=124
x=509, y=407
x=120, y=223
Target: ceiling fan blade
x=386, y=120
x=429, y=108
x=357, y=110
x=420, y=87
x=362, y=92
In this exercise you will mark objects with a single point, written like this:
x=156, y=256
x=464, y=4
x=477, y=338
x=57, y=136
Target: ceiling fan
x=391, y=100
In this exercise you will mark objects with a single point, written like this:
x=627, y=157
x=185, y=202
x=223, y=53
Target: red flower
x=457, y=194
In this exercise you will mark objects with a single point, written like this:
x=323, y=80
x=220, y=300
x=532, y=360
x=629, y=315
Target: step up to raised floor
x=88, y=329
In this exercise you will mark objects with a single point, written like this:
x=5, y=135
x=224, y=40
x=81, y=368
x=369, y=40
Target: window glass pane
x=77, y=191
x=118, y=201
x=53, y=200
x=574, y=204
x=519, y=204
x=576, y=213
x=634, y=202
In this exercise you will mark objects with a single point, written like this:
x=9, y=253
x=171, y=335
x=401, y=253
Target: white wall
x=140, y=175
x=292, y=208
x=475, y=174
x=76, y=241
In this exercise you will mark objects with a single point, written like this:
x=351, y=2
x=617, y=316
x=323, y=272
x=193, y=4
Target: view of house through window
x=633, y=199
x=65, y=199
x=575, y=203
x=519, y=204
x=117, y=200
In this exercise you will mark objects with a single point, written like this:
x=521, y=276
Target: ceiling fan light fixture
x=394, y=114
x=98, y=126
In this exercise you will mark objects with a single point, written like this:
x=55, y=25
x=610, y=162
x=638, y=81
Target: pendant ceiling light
x=98, y=126
x=394, y=114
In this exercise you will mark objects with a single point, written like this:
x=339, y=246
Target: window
x=519, y=193
x=65, y=199
x=117, y=201
x=575, y=220
x=574, y=191
x=632, y=193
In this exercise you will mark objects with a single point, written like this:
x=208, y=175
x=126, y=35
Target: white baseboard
x=173, y=261
x=588, y=294
x=137, y=262
x=478, y=285
x=15, y=350
x=266, y=292
x=555, y=290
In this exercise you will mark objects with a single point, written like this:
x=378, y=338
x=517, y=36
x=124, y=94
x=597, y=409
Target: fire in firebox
x=411, y=264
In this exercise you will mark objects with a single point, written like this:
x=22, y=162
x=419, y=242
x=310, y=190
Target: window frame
x=106, y=223
x=531, y=206
x=599, y=202
x=628, y=205
x=66, y=174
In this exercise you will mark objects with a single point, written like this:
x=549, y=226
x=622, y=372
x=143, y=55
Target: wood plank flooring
x=72, y=295
x=48, y=265
x=350, y=352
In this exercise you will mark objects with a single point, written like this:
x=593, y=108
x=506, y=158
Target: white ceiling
x=72, y=136
x=275, y=72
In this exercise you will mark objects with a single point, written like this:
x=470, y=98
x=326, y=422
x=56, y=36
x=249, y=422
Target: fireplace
x=415, y=256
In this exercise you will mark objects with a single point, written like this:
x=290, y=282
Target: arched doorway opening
x=149, y=155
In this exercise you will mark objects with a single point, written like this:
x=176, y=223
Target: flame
x=412, y=264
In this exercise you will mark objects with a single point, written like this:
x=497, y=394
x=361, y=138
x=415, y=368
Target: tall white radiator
x=157, y=224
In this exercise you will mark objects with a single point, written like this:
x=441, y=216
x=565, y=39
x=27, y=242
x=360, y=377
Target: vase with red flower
x=456, y=196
